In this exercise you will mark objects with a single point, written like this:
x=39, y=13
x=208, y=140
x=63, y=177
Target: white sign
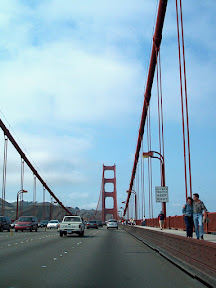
x=161, y=194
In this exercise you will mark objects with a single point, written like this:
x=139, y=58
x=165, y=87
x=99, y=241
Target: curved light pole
x=121, y=212
x=134, y=192
x=161, y=158
x=18, y=193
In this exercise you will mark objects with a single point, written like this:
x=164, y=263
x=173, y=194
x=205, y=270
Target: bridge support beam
x=113, y=211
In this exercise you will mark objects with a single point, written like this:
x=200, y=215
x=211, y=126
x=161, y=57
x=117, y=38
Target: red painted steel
x=114, y=210
x=178, y=223
x=147, y=96
x=23, y=156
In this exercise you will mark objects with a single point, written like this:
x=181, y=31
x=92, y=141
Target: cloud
x=62, y=83
x=71, y=70
x=78, y=195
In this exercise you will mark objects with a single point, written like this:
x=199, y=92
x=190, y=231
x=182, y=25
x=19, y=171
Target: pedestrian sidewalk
x=207, y=237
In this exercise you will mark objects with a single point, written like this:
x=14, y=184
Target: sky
x=72, y=78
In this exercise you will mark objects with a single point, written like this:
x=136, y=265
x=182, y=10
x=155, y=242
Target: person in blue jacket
x=188, y=216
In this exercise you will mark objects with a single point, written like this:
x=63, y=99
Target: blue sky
x=72, y=78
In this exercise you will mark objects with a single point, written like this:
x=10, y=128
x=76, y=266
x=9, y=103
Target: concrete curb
x=193, y=268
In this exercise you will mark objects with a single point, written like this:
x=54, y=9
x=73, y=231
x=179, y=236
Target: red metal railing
x=178, y=223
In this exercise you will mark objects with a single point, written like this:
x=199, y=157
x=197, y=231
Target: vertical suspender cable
x=182, y=100
x=142, y=192
x=150, y=163
x=4, y=174
x=44, y=203
x=143, y=177
x=51, y=199
x=138, y=191
x=159, y=110
x=34, y=195
x=162, y=126
x=148, y=167
x=186, y=101
x=21, y=186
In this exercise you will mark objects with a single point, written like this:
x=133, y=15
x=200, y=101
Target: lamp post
x=134, y=192
x=17, y=209
x=161, y=158
x=121, y=212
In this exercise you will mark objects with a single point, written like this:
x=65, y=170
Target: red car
x=26, y=223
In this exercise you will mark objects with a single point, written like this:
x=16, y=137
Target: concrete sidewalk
x=207, y=237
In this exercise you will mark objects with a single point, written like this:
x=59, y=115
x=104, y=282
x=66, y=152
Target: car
x=71, y=225
x=53, y=224
x=43, y=223
x=5, y=223
x=26, y=223
x=99, y=223
x=112, y=223
x=92, y=224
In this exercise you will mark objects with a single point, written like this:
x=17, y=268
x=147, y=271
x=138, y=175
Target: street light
x=134, y=192
x=121, y=212
x=18, y=193
x=161, y=158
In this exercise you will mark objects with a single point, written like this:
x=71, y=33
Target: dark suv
x=26, y=223
x=5, y=223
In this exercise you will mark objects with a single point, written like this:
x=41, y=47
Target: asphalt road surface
x=102, y=258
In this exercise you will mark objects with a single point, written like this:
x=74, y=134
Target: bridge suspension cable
x=183, y=97
x=147, y=95
x=98, y=204
x=26, y=160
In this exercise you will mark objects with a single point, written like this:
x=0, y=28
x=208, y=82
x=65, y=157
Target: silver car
x=112, y=223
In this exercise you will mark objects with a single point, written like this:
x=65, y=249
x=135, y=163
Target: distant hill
x=57, y=211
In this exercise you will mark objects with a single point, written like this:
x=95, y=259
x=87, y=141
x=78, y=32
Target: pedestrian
x=198, y=208
x=188, y=216
x=161, y=218
x=143, y=222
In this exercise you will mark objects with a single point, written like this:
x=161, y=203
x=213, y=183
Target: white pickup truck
x=70, y=225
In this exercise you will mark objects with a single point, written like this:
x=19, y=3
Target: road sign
x=161, y=194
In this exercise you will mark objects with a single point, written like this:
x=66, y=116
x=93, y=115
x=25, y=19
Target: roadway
x=102, y=258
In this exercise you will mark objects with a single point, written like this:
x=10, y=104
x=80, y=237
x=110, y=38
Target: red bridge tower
x=113, y=211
